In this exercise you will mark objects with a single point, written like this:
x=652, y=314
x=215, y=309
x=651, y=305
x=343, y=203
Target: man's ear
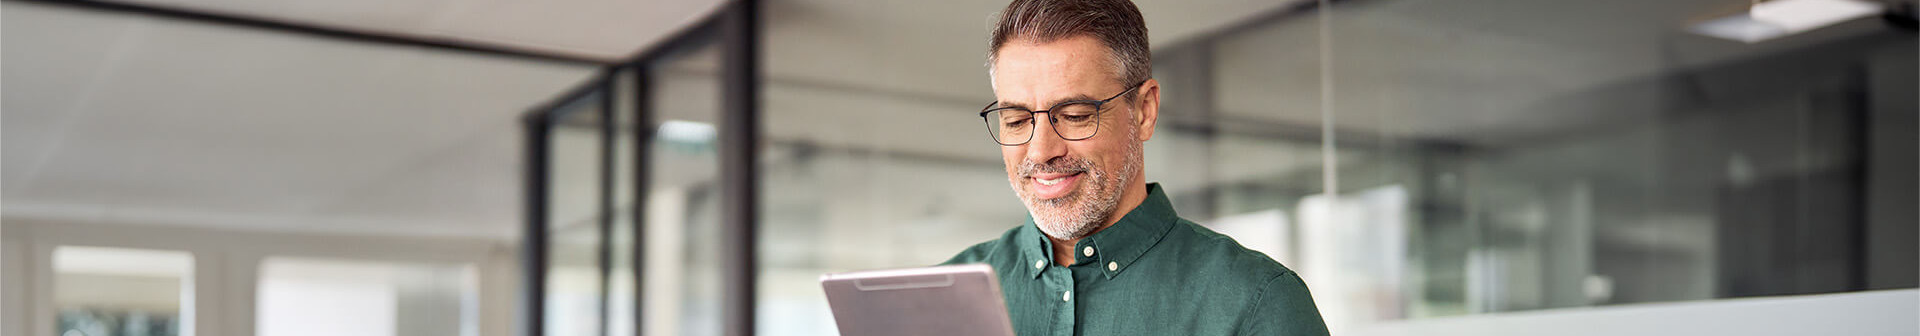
x=1148, y=111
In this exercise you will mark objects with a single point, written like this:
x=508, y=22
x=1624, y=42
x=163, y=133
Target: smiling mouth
x=1051, y=181
x=1051, y=186
x=1055, y=178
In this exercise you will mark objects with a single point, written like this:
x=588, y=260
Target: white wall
x=226, y=266
x=1888, y=312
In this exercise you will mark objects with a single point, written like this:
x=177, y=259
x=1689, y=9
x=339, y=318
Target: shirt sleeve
x=1283, y=307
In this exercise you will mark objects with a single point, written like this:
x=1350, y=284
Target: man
x=1103, y=252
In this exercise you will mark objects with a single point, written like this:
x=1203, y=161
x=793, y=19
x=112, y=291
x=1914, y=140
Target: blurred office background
x=583, y=167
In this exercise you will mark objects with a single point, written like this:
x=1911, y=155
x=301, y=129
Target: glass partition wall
x=575, y=276
x=624, y=234
x=1410, y=159
x=1570, y=154
x=682, y=210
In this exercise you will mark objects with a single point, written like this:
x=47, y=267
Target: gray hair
x=1115, y=23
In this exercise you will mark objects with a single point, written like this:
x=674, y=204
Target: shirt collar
x=1116, y=247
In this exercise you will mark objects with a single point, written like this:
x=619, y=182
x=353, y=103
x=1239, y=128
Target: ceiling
x=608, y=30
x=134, y=119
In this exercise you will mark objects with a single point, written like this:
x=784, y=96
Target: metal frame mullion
x=739, y=166
x=643, y=121
x=533, y=248
x=607, y=140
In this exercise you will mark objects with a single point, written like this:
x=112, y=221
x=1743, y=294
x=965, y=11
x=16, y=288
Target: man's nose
x=1046, y=144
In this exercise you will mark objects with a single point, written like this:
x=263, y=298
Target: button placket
x=1060, y=280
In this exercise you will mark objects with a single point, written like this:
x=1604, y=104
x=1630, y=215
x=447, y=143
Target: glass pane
x=316, y=297
x=574, y=278
x=100, y=291
x=682, y=294
x=621, y=296
x=1611, y=154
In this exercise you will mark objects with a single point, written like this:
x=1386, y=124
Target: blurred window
x=102, y=291
x=326, y=297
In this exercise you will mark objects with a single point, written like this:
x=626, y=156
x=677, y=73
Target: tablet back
x=931, y=301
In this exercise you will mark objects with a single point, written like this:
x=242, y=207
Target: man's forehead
x=1028, y=74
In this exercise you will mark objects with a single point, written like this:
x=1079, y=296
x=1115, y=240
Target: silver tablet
x=931, y=301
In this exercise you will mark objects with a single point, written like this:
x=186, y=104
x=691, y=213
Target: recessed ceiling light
x=1774, y=19
x=687, y=132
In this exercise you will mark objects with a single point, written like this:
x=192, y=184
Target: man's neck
x=1129, y=199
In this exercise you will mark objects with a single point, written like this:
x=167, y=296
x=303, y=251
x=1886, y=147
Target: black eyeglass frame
x=1099, y=108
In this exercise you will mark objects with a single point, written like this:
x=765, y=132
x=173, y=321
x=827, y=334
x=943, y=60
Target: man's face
x=1070, y=187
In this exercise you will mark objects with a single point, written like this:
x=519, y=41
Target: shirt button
x=1113, y=266
x=1039, y=264
x=1087, y=251
x=1066, y=296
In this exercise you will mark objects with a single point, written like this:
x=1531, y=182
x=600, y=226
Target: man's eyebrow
x=1004, y=104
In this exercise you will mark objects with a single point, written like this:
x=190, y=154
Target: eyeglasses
x=1072, y=120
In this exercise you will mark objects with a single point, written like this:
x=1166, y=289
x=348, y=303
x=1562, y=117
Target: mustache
x=1056, y=166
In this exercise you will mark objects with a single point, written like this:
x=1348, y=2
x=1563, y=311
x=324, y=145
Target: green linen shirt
x=1152, y=273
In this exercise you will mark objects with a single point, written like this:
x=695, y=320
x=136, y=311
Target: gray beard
x=1081, y=212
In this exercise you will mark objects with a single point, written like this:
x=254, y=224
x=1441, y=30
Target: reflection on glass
x=1610, y=157
x=574, y=293
x=682, y=292
x=122, y=292
x=324, y=297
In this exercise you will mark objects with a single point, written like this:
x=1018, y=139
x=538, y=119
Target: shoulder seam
x=1246, y=314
